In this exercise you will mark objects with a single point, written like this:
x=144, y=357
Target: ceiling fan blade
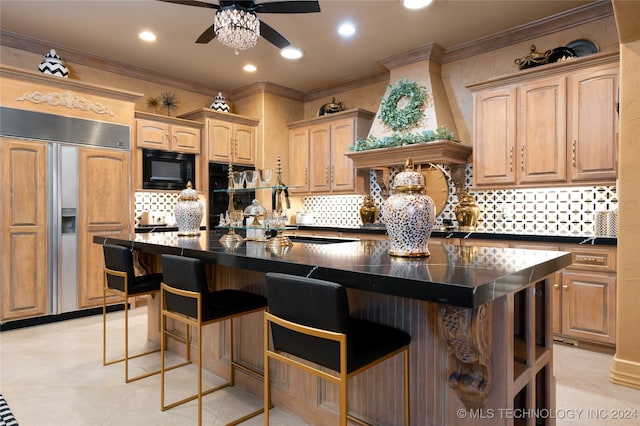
x=208, y=35
x=288, y=7
x=192, y=3
x=272, y=36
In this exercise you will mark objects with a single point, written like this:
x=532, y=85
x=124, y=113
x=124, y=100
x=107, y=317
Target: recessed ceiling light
x=250, y=68
x=291, y=52
x=346, y=29
x=415, y=4
x=147, y=36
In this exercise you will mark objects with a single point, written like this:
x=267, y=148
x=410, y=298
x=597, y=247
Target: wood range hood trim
x=440, y=152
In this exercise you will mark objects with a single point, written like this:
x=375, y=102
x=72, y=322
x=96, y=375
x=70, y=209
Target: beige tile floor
x=53, y=375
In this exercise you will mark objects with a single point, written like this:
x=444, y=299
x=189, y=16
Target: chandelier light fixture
x=236, y=27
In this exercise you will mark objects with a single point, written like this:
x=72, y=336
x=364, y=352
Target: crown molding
x=82, y=58
x=269, y=88
x=561, y=21
x=428, y=52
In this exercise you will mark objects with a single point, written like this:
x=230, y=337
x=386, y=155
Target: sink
x=320, y=240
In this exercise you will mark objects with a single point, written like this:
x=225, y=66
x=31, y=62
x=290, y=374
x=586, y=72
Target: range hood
x=421, y=65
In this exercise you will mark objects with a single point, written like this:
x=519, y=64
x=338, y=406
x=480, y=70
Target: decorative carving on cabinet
x=67, y=100
x=467, y=334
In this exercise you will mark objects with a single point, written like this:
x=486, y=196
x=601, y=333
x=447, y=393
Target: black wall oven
x=167, y=170
x=218, y=199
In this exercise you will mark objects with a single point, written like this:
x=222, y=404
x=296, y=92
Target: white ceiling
x=109, y=29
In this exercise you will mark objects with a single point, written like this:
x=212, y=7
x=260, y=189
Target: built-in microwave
x=167, y=170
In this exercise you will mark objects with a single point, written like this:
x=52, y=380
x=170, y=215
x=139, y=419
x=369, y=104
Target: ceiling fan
x=236, y=23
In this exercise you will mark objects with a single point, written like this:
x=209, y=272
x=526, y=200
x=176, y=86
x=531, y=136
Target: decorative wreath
x=409, y=116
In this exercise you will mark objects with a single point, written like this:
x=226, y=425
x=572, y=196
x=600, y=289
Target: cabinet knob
x=326, y=175
x=556, y=286
x=333, y=172
x=573, y=153
x=564, y=286
x=522, y=158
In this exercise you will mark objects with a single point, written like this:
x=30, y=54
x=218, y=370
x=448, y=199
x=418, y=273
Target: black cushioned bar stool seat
x=185, y=297
x=310, y=319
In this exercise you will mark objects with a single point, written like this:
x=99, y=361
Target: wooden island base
x=499, y=353
x=479, y=319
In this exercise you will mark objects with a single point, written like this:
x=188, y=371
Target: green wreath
x=408, y=117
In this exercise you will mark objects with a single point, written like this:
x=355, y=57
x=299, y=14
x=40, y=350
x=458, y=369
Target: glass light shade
x=237, y=28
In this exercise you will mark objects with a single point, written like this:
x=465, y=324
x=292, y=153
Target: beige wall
x=625, y=368
x=367, y=97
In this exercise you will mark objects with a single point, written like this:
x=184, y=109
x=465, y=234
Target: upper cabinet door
x=299, y=160
x=541, y=155
x=342, y=168
x=494, y=146
x=220, y=136
x=185, y=139
x=320, y=158
x=152, y=134
x=244, y=145
x=593, y=124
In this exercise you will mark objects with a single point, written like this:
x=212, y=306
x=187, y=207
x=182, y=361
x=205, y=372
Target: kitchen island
x=481, y=350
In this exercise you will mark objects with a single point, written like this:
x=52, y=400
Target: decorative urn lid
x=409, y=180
x=52, y=64
x=220, y=104
x=188, y=194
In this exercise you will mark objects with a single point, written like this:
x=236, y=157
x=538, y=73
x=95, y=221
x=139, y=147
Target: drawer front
x=593, y=258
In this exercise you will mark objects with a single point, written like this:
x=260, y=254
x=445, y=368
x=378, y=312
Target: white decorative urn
x=188, y=212
x=52, y=64
x=409, y=214
x=220, y=104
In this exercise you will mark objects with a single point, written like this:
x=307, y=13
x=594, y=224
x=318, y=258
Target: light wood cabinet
x=299, y=160
x=593, y=124
x=24, y=285
x=584, y=294
x=166, y=133
x=231, y=142
x=228, y=138
x=317, y=147
x=588, y=306
x=104, y=207
x=551, y=125
x=494, y=163
x=541, y=123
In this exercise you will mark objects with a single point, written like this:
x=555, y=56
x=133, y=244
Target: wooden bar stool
x=186, y=298
x=309, y=319
x=120, y=280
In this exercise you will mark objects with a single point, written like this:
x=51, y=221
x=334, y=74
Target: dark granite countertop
x=466, y=276
x=476, y=235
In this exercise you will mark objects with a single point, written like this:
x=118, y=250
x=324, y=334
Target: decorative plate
x=559, y=53
x=583, y=47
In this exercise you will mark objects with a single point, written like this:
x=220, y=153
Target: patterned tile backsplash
x=561, y=211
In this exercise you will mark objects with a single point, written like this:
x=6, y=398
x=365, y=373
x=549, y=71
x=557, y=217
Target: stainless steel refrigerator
x=62, y=181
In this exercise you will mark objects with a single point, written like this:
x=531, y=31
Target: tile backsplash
x=160, y=205
x=559, y=211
